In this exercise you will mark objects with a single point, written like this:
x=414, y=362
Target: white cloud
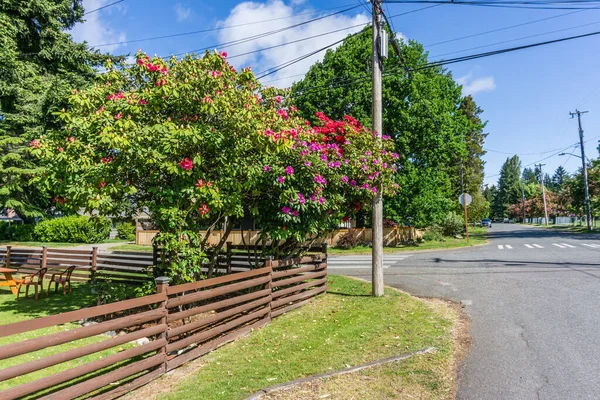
x=255, y=11
x=97, y=29
x=182, y=12
x=472, y=86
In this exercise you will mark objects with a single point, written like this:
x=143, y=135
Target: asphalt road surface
x=533, y=295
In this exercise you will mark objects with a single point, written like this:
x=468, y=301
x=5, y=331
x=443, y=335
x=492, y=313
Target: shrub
x=348, y=240
x=74, y=229
x=452, y=224
x=17, y=232
x=434, y=233
x=126, y=231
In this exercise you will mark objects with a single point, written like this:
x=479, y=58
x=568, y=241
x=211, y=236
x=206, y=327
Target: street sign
x=465, y=197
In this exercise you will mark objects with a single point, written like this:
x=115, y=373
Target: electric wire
x=265, y=34
x=103, y=7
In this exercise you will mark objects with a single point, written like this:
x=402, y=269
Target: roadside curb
x=283, y=386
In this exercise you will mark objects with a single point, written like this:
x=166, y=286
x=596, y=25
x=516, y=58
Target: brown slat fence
x=181, y=323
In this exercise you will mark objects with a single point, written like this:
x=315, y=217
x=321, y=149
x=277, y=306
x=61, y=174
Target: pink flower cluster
x=106, y=160
x=200, y=183
x=115, y=96
x=283, y=113
x=214, y=74
x=35, y=144
x=186, y=164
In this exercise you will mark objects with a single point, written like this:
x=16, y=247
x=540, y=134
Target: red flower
x=223, y=54
x=186, y=164
x=203, y=209
x=142, y=102
x=200, y=183
x=102, y=184
x=35, y=144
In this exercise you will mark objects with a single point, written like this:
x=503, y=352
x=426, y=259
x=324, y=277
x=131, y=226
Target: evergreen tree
x=39, y=66
x=509, y=185
x=529, y=176
x=559, y=178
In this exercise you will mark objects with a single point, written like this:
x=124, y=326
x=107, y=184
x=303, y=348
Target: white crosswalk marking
x=362, y=262
x=593, y=246
x=538, y=246
x=568, y=245
x=501, y=247
x=508, y=246
x=529, y=246
x=558, y=245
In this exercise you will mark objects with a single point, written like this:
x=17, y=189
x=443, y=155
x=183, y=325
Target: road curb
x=283, y=386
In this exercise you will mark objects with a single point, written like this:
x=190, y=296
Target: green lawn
x=132, y=247
x=344, y=327
x=53, y=244
x=572, y=228
x=477, y=236
x=12, y=311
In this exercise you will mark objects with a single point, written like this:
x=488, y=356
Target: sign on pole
x=465, y=199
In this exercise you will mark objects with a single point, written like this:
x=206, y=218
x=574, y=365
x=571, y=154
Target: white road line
x=593, y=246
x=538, y=246
x=558, y=245
x=501, y=247
x=508, y=246
x=529, y=246
x=352, y=267
x=568, y=245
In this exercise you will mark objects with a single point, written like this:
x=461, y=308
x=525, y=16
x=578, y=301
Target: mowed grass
x=132, y=247
x=477, y=236
x=12, y=311
x=345, y=327
x=54, y=244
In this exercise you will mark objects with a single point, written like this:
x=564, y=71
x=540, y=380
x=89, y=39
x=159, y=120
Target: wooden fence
x=118, y=267
x=178, y=324
x=391, y=236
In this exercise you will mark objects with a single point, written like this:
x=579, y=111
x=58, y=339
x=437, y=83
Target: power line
x=265, y=34
x=296, y=41
x=103, y=7
x=214, y=29
x=525, y=154
x=517, y=39
x=502, y=29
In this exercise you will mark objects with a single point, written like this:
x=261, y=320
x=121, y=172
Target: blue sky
x=526, y=95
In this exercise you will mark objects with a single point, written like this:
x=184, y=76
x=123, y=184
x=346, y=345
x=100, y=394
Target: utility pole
x=584, y=166
x=377, y=249
x=543, y=191
x=523, y=199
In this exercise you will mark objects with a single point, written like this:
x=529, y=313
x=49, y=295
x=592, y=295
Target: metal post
x=377, y=250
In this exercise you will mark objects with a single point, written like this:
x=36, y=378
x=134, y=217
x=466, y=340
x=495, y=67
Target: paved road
x=534, y=298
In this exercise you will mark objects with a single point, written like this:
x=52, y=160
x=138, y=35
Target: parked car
x=506, y=221
x=486, y=222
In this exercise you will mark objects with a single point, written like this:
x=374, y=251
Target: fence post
x=228, y=244
x=162, y=283
x=94, y=266
x=269, y=264
x=44, y=261
x=154, y=255
x=8, y=256
x=324, y=250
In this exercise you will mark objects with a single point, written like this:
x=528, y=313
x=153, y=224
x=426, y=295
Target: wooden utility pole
x=543, y=192
x=377, y=239
x=588, y=213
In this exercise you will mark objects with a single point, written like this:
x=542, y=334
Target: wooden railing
x=180, y=323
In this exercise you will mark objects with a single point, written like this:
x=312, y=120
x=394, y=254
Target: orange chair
x=36, y=280
x=63, y=278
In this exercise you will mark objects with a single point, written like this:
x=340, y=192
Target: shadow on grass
x=13, y=310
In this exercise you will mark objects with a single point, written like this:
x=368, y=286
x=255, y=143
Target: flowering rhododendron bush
x=199, y=145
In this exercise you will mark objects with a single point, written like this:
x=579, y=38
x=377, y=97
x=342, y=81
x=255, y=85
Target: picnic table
x=10, y=281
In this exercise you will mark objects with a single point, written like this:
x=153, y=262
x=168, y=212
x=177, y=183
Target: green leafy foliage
x=452, y=224
x=431, y=125
x=73, y=229
x=197, y=143
x=17, y=232
x=433, y=234
x=39, y=65
x=126, y=230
